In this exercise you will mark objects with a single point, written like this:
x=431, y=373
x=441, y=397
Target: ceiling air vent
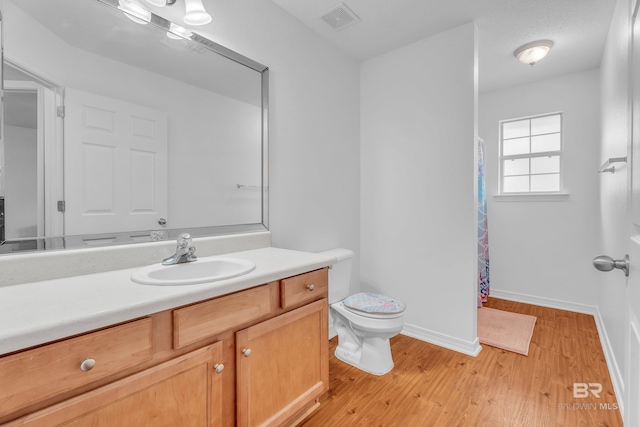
x=340, y=17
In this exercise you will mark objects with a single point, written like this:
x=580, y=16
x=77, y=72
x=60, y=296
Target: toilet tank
x=339, y=274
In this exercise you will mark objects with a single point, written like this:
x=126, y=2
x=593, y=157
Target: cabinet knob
x=219, y=367
x=87, y=364
x=246, y=352
x=311, y=287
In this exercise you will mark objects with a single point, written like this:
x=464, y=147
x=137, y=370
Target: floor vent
x=340, y=17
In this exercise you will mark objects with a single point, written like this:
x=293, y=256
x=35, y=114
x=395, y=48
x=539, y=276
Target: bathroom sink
x=203, y=270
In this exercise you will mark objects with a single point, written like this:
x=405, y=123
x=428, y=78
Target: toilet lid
x=369, y=302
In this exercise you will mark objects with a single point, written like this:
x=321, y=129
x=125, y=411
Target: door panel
x=632, y=387
x=115, y=165
x=632, y=380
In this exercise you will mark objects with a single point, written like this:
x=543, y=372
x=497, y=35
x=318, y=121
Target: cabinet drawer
x=199, y=321
x=185, y=391
x=31, y=376
x=305, y=287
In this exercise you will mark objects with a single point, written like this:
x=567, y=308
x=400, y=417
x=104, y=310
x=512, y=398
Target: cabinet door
x=282, y=365
x=185, y=391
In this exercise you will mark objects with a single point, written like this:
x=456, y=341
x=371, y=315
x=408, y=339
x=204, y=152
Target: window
x=531, y=155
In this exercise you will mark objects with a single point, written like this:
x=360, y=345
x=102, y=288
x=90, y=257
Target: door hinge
x=61, y=205
x=60, y=111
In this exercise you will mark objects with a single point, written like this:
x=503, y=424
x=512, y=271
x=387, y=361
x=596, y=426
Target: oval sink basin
x=203, y=270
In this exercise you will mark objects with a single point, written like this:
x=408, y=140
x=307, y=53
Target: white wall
x=541, y=251
x=614, y=226
x=314, y=163
x=418, y=224
x=21, y=152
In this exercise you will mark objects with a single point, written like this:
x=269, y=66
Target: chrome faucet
x=185, y=251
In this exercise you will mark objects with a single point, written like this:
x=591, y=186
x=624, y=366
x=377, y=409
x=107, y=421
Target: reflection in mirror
x=117, y=132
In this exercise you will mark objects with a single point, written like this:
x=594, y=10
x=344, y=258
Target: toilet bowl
x=364, y=322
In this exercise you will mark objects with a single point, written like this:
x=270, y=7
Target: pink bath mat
x=505, y=330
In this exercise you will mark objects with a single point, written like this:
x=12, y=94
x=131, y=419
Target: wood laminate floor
x=433, y=386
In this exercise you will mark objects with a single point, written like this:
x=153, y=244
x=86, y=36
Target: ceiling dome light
x=533, y=52
x=195, y=13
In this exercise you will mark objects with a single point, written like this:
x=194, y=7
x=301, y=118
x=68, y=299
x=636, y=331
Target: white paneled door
x=115, y=165
x=632, y=380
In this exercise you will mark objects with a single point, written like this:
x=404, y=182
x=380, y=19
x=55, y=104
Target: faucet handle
x=184, y=240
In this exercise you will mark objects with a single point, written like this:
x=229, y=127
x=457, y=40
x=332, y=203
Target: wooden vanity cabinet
x=281, y=365
x=183, y=367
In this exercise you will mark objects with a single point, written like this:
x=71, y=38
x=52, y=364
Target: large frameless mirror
x=121, y=129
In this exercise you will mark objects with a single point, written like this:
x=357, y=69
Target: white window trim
x=559, y=195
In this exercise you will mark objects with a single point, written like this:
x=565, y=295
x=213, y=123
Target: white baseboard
x=614, y=370
x=612, y=365
x=442, y=340
x=544, y=302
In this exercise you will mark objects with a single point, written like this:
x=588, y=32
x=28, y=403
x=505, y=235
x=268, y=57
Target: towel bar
x=607, y=167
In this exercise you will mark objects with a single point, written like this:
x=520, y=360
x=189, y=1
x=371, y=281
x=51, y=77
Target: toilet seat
x=367, y=321
x=369, y=304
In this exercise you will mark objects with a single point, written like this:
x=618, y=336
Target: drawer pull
x=246, y=352
x=87, y=364
x=219, y=367
x=311, y=287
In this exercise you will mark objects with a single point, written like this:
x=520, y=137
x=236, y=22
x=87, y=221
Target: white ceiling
x=577, y=27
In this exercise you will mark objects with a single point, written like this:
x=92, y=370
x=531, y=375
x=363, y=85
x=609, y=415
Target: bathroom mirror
x=120, y=128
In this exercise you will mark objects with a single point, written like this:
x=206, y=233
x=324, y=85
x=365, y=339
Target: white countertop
x=39, y=312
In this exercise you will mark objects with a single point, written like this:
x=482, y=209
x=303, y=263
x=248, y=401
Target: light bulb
x=195, y=13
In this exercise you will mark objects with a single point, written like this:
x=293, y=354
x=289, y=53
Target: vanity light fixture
x=177, y=32
x=195, y=13
x=136, y=13
x=533, y=52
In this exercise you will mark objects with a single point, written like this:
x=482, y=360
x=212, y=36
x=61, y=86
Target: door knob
x=606, y=263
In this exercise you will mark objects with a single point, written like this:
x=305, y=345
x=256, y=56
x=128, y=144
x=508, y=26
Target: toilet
x=364, y=321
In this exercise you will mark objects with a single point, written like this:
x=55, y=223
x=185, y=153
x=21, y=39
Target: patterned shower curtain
x=483, y=231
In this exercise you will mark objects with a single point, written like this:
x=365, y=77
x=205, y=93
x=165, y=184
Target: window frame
x=530, y=155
